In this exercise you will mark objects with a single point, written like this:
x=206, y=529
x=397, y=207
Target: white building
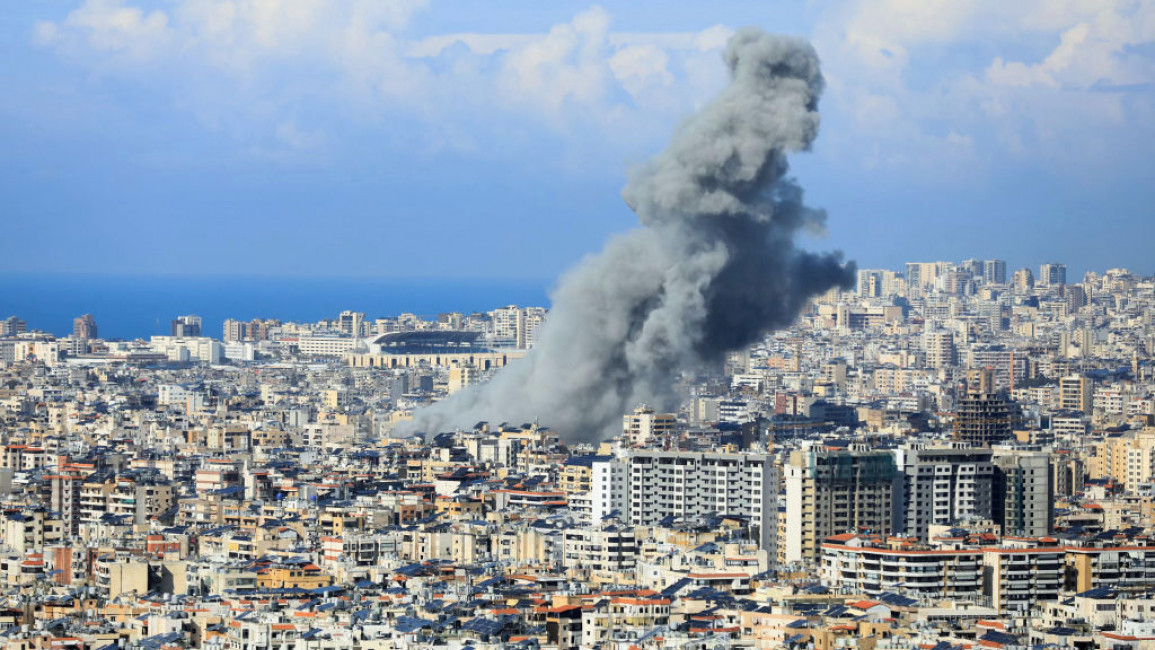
x=603, y=549
x=508, y=327
x=187, y=348
x=516, y=327
x=735, y=411
x=648, y=486
x=324, y=346
x=608, y=491
x=238, y=351
x=171, y=394
x=534, y=319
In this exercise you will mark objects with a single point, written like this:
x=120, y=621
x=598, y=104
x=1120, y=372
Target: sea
x=139, y=306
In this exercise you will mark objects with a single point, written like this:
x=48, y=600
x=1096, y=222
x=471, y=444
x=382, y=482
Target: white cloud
x=916, y=85
x=640, y=67
x=483, y=44
x=1089, y=53
x=569, y=63
x=292, y=136
x=955, y=79
x=247, y=66
x=109, y=28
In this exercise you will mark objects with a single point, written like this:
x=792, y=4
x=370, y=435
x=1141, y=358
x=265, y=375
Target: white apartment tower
x=534, y=319
x=648, y=486
x=509, y=326
x=608, y=489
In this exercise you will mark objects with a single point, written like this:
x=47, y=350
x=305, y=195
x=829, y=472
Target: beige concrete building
x=829, y=492
x=644, y=424
x=1129, y=458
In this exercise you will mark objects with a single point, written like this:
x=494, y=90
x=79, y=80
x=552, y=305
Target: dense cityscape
x=646, y=325
x=942, y=456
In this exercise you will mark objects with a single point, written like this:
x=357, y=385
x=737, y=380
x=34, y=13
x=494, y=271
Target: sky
x=467, y=139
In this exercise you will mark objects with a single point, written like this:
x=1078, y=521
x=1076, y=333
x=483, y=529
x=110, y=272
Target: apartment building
x=942, y=486
x=644, y=424
x=1024, y=491
x=1018, y=575
x=870, y=564
x=834, y=491
x=602, y=550
x=645, y=487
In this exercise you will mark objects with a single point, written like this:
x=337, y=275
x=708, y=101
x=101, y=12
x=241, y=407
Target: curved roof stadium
x=431, y=342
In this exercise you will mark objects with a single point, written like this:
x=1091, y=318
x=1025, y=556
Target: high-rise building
x=939, y=348
x=349, y=322
x=983, y=417
x=913, y=275
x=646, y=487
x=870, y=282
x=452, y=321
x=924, y=275
x=1053, y=274
x=995, y=271
x=643, y=425
x=235, y=331
x=534, y=319
x=1020, y=575
x=1009, y=368
x=1023, y=498
x=254, y=330
x=84, y=327
x=1069, y=475
x=1128, y=460
x=186, y=326
x=892, y=283
x=1023, y=280
x=609, y=491
x=958, y=283
x=461, y=377
x=829, y=492
x=516, y=327
x=1076, y=393
x=65, y=499
x=508, y=325
x=1075, y=296
x=942, y=486
x=12, y=325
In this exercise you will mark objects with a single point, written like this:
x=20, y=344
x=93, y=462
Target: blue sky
x=483, y=139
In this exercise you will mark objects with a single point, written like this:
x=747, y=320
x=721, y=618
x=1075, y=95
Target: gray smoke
x=711, y=270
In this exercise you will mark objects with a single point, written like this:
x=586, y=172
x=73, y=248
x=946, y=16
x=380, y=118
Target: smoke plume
x=711, y=270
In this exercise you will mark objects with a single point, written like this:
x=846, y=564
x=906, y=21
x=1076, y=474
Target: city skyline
x=48, y=302
x=177, y=138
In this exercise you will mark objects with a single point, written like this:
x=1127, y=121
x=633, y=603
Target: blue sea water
x=128, y=307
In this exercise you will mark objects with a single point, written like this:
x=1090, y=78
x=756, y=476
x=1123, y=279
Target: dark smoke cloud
x=712, y=269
